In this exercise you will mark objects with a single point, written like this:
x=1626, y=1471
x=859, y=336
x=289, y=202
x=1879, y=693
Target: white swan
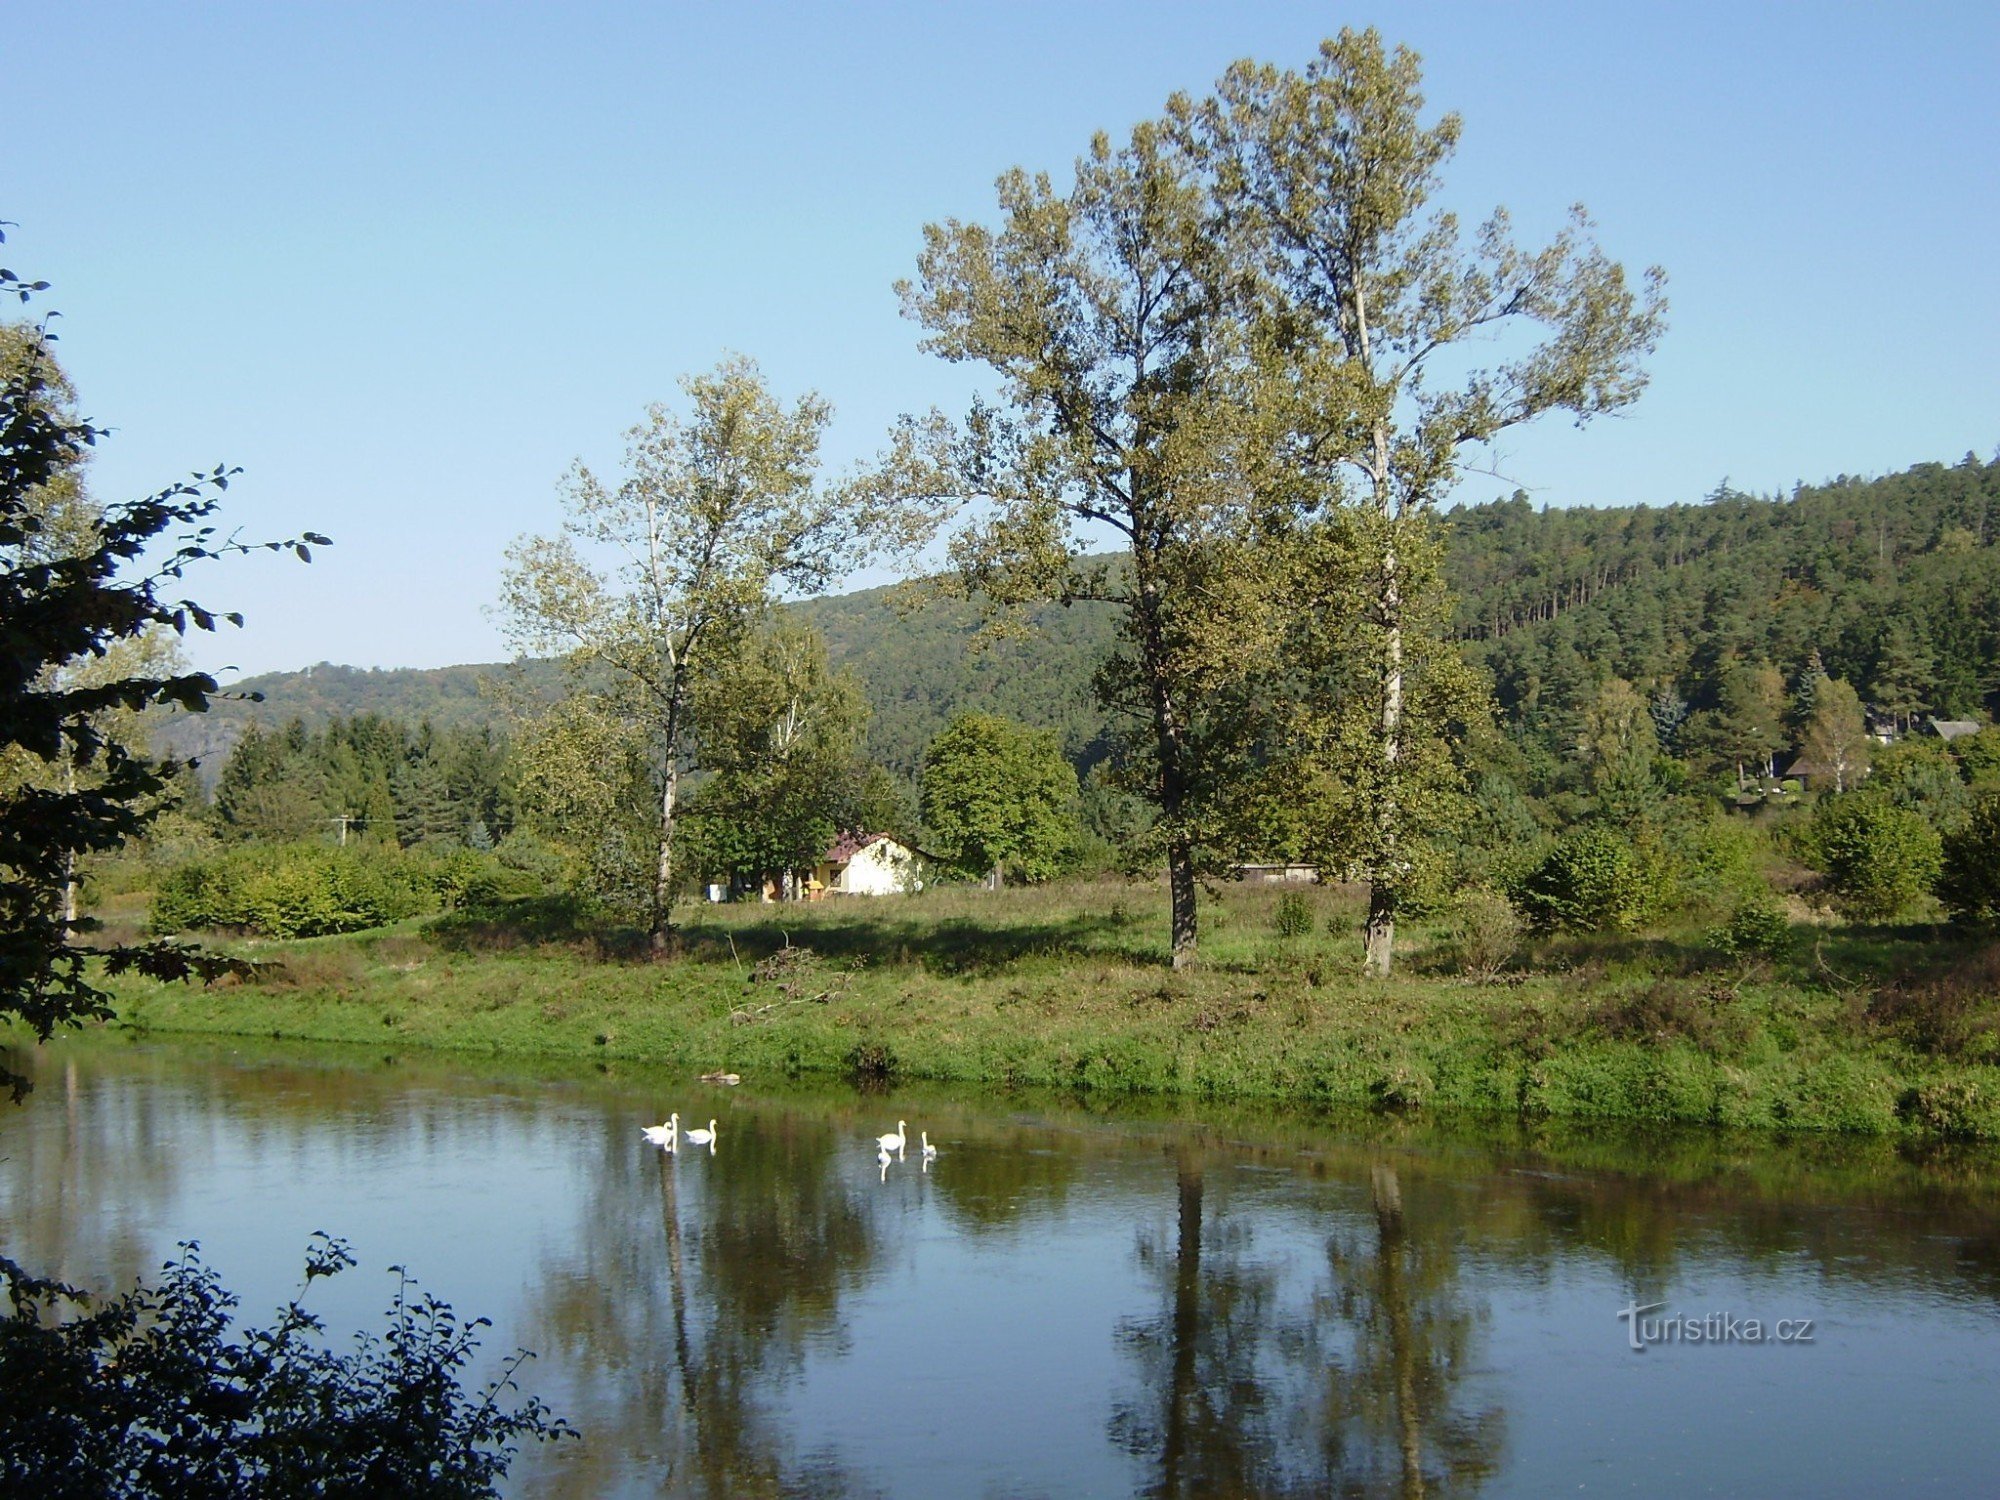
x=700, y=1137
x=894, y=1142
x=882, y=1159
x=663, y=1135
x=930, y=1151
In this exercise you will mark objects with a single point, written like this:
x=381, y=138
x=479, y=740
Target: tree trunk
x=1181, y=886
x=1170, y=743
x=663, y=880
x=1379, y=938
x=1379, y=950
x=69, y=881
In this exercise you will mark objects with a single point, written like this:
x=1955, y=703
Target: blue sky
x=405, y=262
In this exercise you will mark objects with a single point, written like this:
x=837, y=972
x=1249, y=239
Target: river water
x=1168, y=1300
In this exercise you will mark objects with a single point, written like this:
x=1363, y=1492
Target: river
x=1146, y=1299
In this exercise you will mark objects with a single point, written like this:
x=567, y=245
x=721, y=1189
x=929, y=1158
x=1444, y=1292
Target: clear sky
x=405, y=262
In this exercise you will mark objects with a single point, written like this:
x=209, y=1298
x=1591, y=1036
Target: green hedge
x=310, y=890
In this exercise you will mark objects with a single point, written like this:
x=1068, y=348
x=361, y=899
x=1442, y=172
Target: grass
x=1877, y=1031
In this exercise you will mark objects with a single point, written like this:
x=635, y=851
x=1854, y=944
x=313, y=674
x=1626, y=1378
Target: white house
x=867, y=864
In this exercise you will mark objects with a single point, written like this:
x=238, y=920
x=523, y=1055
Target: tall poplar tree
x=1364, y=300
x=1102, y=309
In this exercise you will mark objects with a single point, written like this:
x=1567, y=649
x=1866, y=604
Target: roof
x=850, y=844
x=1951, y=729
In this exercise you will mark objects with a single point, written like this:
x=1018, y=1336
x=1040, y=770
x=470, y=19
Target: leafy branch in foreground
x=73, y=588
x=148, y=1394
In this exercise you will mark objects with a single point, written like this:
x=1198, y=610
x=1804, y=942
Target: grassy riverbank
x=1882, y=1032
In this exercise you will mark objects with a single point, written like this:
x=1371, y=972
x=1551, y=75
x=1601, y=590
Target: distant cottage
x=866, y=864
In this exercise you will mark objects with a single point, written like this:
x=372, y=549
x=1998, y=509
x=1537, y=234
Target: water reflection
x=1254, y=1305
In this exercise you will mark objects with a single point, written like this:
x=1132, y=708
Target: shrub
x=1714, y=864
x=1953, y=1109
x=1591, y=881
x=1758, y=926
x=1484, y=932
x=150, y=1394
x=1294, y=918
x=1879, y=860
x=1969, y=880
x=296, y=890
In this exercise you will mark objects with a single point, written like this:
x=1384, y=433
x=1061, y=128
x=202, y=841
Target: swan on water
x=663, y=1135
x=700, y=1137
x=896, y=1141
x=930, y=1151
x=882, y=1160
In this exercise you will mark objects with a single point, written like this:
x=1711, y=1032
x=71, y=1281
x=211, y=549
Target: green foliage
x=65, y=599
x=777, y=728
x=1759, y=926
x=998, y=795
x=1592, y=881
x=1879, y=859
x=1710, y=865
x=1551, y=601
x=1969, y=879
x=1978, y=756
x=156, y=1392
x=1294, y=916
x=384, y=779
x=309, y=890
x=1923, y=776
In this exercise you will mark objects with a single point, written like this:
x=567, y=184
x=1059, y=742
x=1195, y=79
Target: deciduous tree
x=720, y=509
x=998, y=796
x=1102, y=309
x=1366, y=302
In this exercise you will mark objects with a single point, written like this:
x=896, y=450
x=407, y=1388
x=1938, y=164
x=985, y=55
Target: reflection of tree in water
x=1002, y=1177
x=1206, y=1422
x=114, y=1143
x=703, y=1286
x=1393, y=1417
x=1349, y=1390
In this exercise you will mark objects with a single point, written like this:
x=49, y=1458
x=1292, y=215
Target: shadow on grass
x=956, y=947
x=950, y=947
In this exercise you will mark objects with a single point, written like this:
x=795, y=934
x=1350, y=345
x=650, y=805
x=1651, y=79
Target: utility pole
x=343, y=820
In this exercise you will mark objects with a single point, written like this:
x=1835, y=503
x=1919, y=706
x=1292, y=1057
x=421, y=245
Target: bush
x=1969, y=880
x=149, y=1395
x=1879, y=860
x=1592, y=881
x=300, y=890
x=1294, y=918
x=1484, y=932
x=1758, y=926
x=1714, y=865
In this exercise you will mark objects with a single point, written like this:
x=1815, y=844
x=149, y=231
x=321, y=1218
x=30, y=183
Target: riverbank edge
x=1782, y=1063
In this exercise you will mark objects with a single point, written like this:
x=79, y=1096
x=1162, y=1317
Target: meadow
x=1876, y=1030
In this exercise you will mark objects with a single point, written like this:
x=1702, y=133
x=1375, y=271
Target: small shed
x=1288, y=874
x=867, y=864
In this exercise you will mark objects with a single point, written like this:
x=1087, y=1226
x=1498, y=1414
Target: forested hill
x=917, y=672
x=1895, y=582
